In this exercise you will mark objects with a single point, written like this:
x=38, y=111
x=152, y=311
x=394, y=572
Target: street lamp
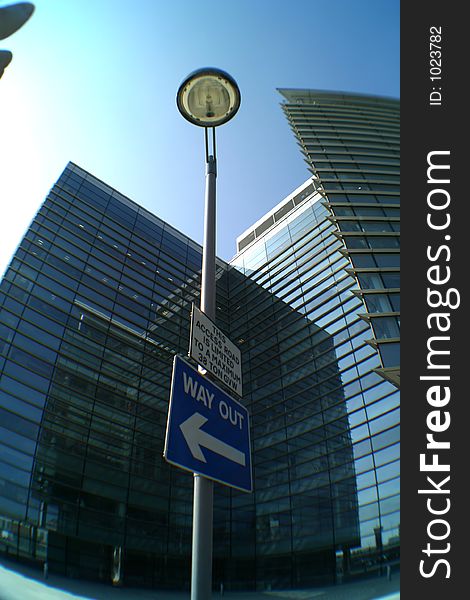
x=208, y=98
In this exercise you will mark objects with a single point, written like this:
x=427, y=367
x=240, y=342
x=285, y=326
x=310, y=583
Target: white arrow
x=195, y=438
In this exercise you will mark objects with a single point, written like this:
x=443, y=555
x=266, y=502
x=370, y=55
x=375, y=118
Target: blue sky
x=94, y=81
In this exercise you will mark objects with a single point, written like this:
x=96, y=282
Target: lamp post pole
x=208, y=248
x=201, y=567
x=208, y=97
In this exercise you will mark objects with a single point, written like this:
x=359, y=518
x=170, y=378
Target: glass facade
x=325, y=422
x=95, y=304
x=93, y=307
x=351, y=144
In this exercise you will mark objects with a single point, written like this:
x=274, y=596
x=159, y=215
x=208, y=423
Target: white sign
x=215, y=352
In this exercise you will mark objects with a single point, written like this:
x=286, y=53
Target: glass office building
x=351, y=144
x=95, y=304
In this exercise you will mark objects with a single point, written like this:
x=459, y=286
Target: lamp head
x=208, y=97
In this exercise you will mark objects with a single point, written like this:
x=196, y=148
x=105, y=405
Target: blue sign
x=208, y=432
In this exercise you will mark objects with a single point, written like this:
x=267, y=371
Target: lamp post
x=208, y=98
